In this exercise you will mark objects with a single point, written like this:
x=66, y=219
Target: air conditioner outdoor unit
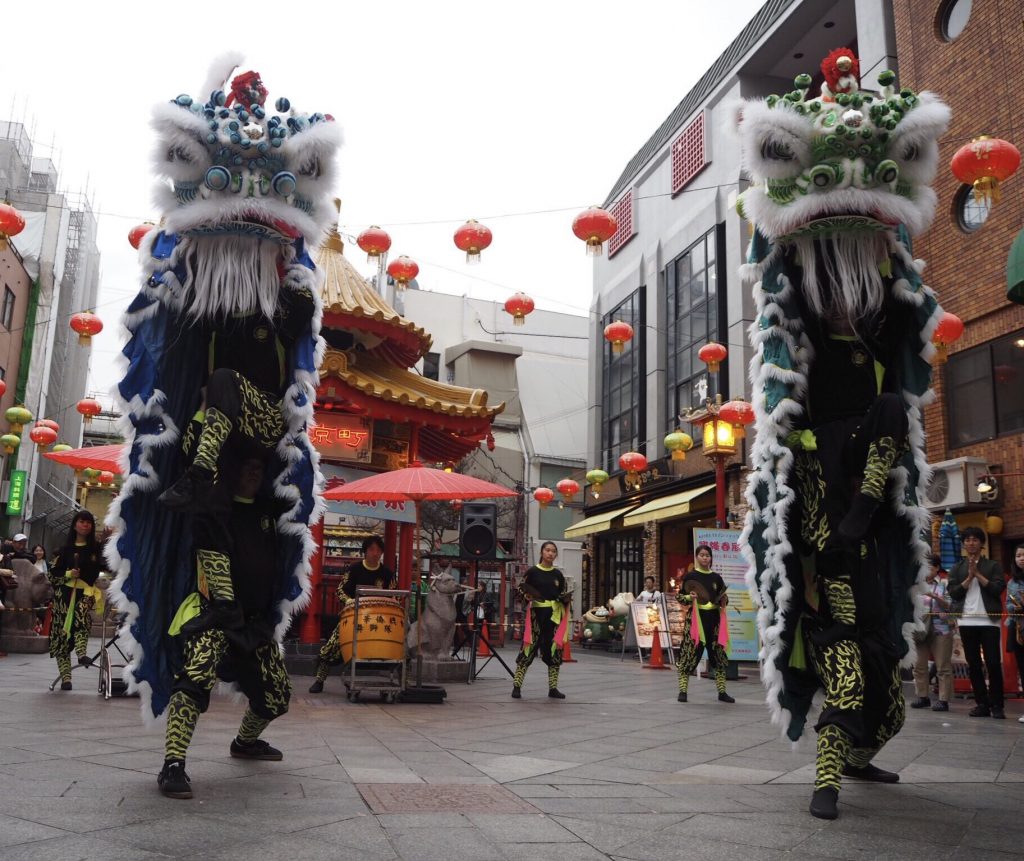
x=954, y=485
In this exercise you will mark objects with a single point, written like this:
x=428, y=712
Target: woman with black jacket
x=73, y=575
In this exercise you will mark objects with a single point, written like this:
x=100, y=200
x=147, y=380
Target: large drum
x=381, y=630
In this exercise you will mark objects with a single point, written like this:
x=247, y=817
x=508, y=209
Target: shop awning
x=597, y=523
x=666, y=506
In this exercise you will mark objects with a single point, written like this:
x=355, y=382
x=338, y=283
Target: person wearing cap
x=19, y=550
x=73, y=576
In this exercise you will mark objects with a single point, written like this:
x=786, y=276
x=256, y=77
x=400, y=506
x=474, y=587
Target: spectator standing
x=937, y=643
x=1015, y=608
x=978, y=584
x=650, y=593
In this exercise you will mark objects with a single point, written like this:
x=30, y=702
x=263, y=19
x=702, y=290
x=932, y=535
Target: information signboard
x=16, y=496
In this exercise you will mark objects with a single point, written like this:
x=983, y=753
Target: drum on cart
x=380, y=629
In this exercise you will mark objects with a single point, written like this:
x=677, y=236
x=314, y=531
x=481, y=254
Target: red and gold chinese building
x=374, y=414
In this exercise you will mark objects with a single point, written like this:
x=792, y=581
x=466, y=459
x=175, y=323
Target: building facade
x=671, y=272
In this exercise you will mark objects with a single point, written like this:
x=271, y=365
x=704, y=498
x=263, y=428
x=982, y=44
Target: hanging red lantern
x=983, y=164
x=712, y=355
x=633, y=461
x=544, y=495
x=374, y=241
x=136, y=234
x=3, y=388
x=11, y=223
x=456, y=505
x=472, y=237
x=86, y=324
x=568, y=488
x=618, y=334
x=105, y=477
x=595, y=226
x=89, y=407
x=739, y=414
x=43, y=436
x=948, y=330
x=519, y=305
x=48, y=423
x=403, y=269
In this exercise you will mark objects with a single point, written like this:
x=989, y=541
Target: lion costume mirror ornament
x=223, y=352
x=835, y=539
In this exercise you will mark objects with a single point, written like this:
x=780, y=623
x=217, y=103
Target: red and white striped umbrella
x=417, y=483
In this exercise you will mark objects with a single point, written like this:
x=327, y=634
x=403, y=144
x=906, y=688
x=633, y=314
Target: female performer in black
x=547, y=620
x=704, y=592
x=73, y=575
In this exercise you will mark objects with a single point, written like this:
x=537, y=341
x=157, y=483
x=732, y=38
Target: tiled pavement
x=618, y=770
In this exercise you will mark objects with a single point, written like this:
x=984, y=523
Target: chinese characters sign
x=336, y=475
x=16, y=497
x=343, y=437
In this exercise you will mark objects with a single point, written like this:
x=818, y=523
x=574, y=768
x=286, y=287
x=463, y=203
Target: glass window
x=623, y=386
x=985, y=391
x=7, y=314
x=431, y=365
x=953, y=16
x=970, y=213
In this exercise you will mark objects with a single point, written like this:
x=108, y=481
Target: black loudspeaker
x=478, y=530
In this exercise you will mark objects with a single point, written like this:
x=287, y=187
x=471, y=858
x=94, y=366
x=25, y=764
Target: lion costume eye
x=774, y=150
x=910, y=152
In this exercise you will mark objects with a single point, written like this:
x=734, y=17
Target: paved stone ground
x=619, y=770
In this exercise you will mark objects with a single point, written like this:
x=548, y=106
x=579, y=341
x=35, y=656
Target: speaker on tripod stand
x=478, y=531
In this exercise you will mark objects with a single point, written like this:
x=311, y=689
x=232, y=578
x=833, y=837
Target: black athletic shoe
x=65, y=686
x=84, y=661
x=980, y=711
x=824, y=803
x=921, y=703
x=258, y=749
x=870, y=772
x=723, y=697
x=998, y=713
x=517, y=693
x=173, y=781
x=555, y=694
x=189, y=491
x=941, y=706
x=317, y=687
x=682, y=697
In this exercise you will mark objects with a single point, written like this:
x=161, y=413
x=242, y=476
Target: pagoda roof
x=350, y=303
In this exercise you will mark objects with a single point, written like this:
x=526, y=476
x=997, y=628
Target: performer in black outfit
x=73, y=577
x=246, y=653
x=547, y=621
x=369, y=571
x=704, y=592
x=246, y=383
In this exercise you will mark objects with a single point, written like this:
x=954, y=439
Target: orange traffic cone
x=567, y=657
x=482, y=649
x=657, y=661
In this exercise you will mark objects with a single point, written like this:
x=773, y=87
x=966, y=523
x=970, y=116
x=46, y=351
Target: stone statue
x=435, y=637
x=32, y=590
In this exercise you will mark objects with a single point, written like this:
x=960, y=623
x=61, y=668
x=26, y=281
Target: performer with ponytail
x=703, y=593
x=547, y=620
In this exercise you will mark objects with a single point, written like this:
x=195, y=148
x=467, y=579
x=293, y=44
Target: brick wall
x=980, y=75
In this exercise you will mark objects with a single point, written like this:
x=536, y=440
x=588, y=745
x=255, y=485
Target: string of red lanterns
x=473, y=237
x=544, y=495
x=594, y=226
x=374, y=241
x=403, y=269
x=88, y=408
x=86, y=324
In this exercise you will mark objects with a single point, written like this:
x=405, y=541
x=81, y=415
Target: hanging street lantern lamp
x=568, y=488
x=473, y=237
x=679, y=444
x=10, y=442
x=633, y=463
x=59, y=447
x=712, y=355
x=596, y=478
x=618, y=334
x=403, y=269
x=17, y=416
x=3, y=388
x=105, y=477
x=43, y=436
x=594, y=226
x=983, y=164
x=86, y=324
x=11, y=224
x=89, y=408
x=519, y=305
x=739, y=414
x=544, y=495
x=949, y=330
x=374, y=241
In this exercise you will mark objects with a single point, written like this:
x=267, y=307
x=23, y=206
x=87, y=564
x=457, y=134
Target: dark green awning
x=1015, y=270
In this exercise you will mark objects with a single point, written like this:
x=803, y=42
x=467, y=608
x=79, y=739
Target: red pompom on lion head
x=247, y=89
x=841, y=64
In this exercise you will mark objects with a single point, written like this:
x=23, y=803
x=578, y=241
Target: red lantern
x=89, y=407
x=43, y=436
x=11, y=223
x=86, y=324
x=984, y=163
x=403, y=269
x=472, y=238
x=136, y=234
x=519, y=306
x=568, y=488
x=594, y=226
x=105, y=477
x=618, y=334
x=3, y=388
x=739, y=414
x=712, y=355
x=48, y=423
x=633, y=461
x=544, y=495
x=456, y=505
x=949, y=329
x=374, y=241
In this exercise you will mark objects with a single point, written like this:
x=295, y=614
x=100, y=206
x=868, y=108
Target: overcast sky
x=517, y=114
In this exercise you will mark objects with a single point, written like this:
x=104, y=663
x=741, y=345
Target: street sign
x=16, y=497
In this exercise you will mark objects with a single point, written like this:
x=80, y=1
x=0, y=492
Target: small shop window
x=970, y=212
x=953, y=17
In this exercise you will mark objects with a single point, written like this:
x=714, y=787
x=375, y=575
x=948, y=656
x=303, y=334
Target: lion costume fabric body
x=244, y=198
x=841, y=371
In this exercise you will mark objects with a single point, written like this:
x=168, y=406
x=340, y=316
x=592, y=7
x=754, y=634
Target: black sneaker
x=555, y=694
x=517, y=693
x=65, y=686
x=193, y=486
x=258, y=749
x=870, y=772
x=173, y=781
x=317, y=687
x=682, y=697
x=84, y=661
x=824, y=803
x=921, y=703
x=998, y=713
x=980, y=711
x=723, y=697
x=941, y=706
